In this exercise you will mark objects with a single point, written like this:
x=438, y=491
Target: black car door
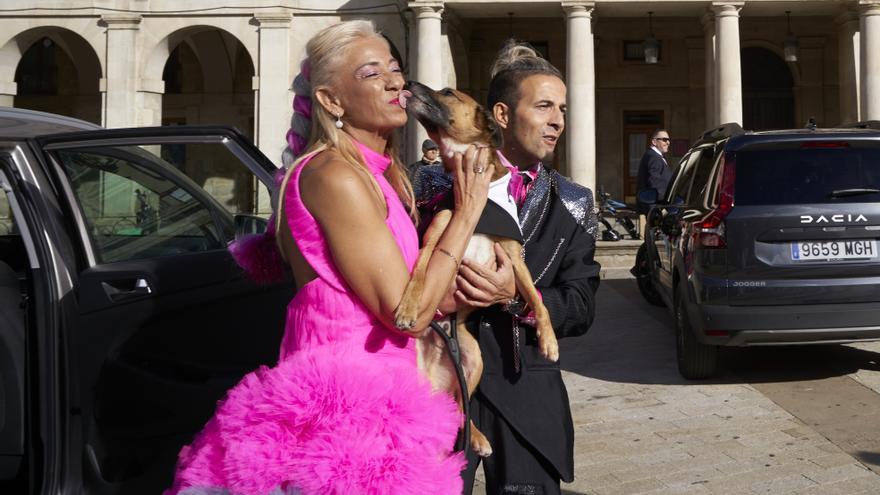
x=165, y=322
x=665, y=218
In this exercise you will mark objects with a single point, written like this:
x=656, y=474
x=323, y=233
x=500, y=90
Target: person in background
x=654, y=172
x=429, y=179
x=430, y=156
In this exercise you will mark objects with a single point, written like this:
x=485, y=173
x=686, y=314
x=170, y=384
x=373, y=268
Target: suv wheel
x=643, y=277
x=695, y=359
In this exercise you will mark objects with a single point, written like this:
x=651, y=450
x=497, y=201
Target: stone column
x=848, y=65
x=428, y=64
x=869, y=12
x=708, y=21
x=272, y=85
x=8, y=90
x=581, y=82
x=149, y=97
x=273, y=98
x=728, y=73
x=120, y=82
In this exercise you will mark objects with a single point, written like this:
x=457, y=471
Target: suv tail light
x=709, y=231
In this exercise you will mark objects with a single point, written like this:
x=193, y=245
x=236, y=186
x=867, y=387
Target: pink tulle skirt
x=327, y=421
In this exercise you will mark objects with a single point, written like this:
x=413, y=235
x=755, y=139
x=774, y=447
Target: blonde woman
x=345, y=410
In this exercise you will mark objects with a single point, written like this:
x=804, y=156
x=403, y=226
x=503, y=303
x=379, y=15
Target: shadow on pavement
x=870, y=458
x=633, y=342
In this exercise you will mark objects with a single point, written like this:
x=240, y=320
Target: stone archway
x=208, y=80
x=57, y=72
x=768, y=90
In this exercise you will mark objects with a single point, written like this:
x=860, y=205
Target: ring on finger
x=478, y=170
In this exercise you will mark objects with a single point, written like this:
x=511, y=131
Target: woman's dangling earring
x=339, y=122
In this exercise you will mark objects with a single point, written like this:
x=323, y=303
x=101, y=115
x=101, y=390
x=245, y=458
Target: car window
x=702, y=175
x=219, y=172
x=682, y=181
x=6, y=225
x=798, y=175
x=13, y=358
x=136, y=206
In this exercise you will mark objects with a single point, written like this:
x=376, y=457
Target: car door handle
x=120, y=290
x=691, y=214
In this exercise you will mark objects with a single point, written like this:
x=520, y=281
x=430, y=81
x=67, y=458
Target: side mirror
x=648, y=196
x=246, y=224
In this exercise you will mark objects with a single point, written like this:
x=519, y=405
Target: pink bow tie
x=517, y=187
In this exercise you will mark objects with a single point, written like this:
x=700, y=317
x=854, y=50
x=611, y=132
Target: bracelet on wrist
x=447, y=253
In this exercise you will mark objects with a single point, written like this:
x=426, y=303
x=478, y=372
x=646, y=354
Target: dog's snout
x=413, y=86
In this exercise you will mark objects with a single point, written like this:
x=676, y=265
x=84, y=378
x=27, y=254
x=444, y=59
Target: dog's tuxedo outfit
x=521, y=404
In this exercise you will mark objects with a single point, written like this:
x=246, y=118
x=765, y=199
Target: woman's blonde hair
x=324, y=52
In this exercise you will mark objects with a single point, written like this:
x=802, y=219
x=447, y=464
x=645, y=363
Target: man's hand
x=480, y=286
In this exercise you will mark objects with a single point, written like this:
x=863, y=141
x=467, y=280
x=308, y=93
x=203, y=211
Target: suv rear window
x=802, y=175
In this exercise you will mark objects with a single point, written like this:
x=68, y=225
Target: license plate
x=833, y=250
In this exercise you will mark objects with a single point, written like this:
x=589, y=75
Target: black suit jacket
x=654, y=173
x=559, y=227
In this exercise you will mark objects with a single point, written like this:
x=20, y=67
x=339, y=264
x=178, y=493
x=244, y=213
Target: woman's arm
x=352, y=217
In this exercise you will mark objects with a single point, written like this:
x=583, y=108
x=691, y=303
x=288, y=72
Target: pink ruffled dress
x=345, y=411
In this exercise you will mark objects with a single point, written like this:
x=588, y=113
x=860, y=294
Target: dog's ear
x=484, y=120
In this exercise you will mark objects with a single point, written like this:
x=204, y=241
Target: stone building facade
x=123, y=63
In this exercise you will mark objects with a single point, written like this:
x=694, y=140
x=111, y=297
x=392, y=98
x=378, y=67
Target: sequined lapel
x=534, y=209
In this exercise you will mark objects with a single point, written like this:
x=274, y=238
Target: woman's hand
x=471, y=181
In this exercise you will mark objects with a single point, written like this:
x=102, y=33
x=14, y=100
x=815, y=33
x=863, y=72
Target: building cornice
x=122, y=21
x=276, y=18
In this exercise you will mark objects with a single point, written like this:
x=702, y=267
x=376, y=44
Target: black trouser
x=514, y=468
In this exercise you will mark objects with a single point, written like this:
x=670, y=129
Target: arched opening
x=768, y=96
x=208, y=80
x=48, y=80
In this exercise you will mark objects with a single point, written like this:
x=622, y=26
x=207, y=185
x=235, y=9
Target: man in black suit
x=654, y=172
x=521, y=404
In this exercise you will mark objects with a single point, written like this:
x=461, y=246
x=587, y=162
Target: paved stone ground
x=642, y=429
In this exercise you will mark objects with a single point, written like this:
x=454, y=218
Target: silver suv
x=767, y=238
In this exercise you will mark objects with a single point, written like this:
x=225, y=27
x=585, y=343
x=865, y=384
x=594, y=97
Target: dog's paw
x=480, y=444
x=548, y=344
x=405, y=316
x=404, y=321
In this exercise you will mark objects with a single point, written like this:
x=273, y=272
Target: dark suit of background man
x=654, y=172
x=521, y=404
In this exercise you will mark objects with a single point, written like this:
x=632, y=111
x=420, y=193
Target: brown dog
x=455, y=121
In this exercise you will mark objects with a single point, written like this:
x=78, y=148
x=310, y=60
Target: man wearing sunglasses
x=654, y=172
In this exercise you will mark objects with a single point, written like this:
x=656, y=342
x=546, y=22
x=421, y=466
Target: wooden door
x=637, y=129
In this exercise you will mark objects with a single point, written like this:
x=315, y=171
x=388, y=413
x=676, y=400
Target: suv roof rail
x=863, y=124
x=727, y=130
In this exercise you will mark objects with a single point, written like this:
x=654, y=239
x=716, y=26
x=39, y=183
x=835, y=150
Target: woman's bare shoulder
x=329, y=172
x=327, y=180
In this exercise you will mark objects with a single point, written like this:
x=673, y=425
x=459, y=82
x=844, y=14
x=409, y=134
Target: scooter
x=618, y=212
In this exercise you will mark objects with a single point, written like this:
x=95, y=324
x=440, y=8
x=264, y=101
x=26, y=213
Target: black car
x=123, y=318
x=767, y=238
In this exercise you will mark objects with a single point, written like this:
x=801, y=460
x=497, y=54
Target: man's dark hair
x=658, y=131
x=515, y=62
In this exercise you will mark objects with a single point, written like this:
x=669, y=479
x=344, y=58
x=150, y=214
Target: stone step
x=616, y=257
